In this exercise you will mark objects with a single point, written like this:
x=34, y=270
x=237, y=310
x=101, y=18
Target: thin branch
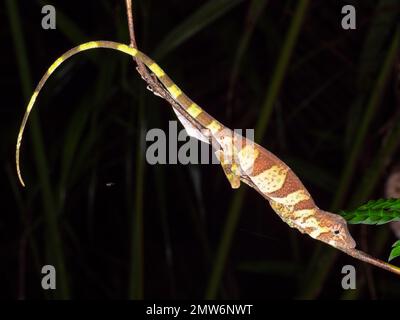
x=153, y=84
x=130, y=23
x=142, y=69
x=361, y=255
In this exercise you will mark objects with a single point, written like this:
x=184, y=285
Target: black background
x=317, y=115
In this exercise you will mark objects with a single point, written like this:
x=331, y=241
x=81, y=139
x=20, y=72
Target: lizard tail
x=192, y=109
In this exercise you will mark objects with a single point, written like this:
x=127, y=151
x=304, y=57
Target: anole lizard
x=241, y=159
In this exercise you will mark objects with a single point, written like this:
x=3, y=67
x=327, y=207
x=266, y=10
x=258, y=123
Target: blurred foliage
x=374, y=212
x=377, y=212
x=395, y=250
x=324, y=99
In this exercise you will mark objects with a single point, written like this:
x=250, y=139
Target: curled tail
x=192, y=109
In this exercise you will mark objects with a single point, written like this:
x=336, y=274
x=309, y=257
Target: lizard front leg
x=231, y=169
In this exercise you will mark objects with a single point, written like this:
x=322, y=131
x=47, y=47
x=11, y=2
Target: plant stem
x=320, y=273
x=49, y=201
x=280, y=70
x=371, y=107
x=272, y=93
x=225, y=244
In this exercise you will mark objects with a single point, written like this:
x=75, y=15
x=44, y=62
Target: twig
x=360, y=255
x=153, y=84
x=142, y=69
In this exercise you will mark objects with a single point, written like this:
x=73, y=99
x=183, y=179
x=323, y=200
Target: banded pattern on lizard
x=241, y=159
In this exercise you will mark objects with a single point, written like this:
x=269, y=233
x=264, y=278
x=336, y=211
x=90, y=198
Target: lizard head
x=338, y=235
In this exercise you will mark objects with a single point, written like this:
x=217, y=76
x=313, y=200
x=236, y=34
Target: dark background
x=117, y=227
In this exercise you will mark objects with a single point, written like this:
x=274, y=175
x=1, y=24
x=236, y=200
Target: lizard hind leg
x=231, y=170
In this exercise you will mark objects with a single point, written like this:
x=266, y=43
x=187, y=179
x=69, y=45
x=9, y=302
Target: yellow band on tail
x=172, y=89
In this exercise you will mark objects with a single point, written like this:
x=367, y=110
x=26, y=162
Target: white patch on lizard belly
x=190, y=129
x=247, y=156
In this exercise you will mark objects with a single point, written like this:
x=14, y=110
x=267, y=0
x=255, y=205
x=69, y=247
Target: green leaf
x=255, y=10
x=395, y=250
x=269, y=101
x=377, y=212
x=205, y=15
x=396, y=244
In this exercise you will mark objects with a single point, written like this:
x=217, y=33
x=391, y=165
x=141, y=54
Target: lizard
x=242, y=160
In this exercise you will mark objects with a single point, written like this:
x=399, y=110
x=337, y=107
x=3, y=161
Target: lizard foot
x=231, y=170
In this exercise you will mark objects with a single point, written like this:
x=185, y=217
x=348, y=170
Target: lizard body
x=242, y=159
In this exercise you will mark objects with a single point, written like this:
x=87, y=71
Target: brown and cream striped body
x=287, y=195
x=242, y=160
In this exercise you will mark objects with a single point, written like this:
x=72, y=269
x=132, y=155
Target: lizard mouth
x=341, y=243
